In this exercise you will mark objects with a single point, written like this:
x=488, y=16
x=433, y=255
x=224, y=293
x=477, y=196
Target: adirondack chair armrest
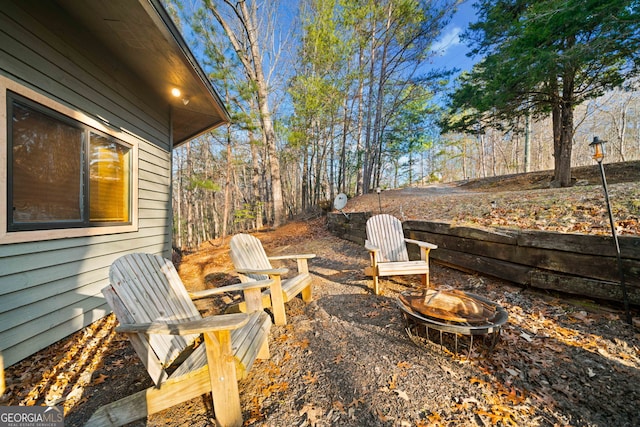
x=422, y=244
x=268, y=271
x=299, y=256
x=223, y=322
x=230, y=288
x=371, y=247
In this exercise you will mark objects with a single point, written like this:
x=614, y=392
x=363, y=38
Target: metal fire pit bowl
x=418, y=324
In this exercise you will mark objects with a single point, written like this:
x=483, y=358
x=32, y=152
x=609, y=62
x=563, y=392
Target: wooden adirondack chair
x=164, y=327
x=252, y=263
x=388, y=251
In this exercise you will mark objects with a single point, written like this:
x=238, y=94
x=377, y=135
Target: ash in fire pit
x=453, y=312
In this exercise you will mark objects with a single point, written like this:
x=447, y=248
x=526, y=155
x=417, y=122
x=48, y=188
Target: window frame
x=74, y=117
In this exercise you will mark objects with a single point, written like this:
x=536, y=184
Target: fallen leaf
x=392, y=383
x=383, y=417
x=402, y=394
x=338, y=406
x=313, y=413
x=526, y=336
x=310, y=378
x=355, y=402
x=100, y=379
x=303, y=344
x=404, y=365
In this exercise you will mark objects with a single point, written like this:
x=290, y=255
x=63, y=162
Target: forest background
x=333, y=96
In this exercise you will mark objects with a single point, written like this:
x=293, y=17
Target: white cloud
x=450, y=39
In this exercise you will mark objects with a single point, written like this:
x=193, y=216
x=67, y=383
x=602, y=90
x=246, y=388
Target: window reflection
x=47, y=160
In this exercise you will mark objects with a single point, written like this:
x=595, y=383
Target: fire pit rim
x=492, y=326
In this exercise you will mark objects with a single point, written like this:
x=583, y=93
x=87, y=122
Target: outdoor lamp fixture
x=177, y=93
x=378, y=190
x=598, y=156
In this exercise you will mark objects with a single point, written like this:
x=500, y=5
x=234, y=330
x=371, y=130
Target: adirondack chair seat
x=243, y=347
x=400, y=268
x=186, y=355
x=252, y=263
x=388, y=252
x=291, y=287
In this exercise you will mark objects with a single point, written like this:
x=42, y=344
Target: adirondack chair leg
x=264, y=353
x=425, y=280
x=376, y=284
x=373, y=270
x=277, y=301
x=307, y=294
x=224, y=383
x=152, y=400
x=424, y=256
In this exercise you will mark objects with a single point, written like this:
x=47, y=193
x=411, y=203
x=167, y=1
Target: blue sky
x=450, y=52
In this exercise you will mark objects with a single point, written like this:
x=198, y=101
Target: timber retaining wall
x=578, y=264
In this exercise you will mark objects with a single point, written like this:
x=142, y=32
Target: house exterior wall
x=51, y=288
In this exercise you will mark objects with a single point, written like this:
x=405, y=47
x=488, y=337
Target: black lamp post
x=598, y=156
x=378, y=189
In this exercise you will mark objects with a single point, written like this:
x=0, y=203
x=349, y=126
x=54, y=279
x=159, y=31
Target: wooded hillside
x=353, y=106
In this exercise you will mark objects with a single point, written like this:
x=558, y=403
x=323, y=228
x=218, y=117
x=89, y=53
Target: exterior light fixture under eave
x=177, y=93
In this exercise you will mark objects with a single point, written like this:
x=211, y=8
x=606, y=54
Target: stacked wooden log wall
x=579, y=264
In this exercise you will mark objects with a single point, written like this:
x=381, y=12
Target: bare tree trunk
x=227, y=186
x=377, y=133
x=483, y=166
x=252, y=62
x=359, y=161
x=189, y=199
x=367, y=164
x=342, y=169
x=464, y=158
x=527, y=142
x=255, y=183
x=178, y=209
x=562, y=117
x=619, y=120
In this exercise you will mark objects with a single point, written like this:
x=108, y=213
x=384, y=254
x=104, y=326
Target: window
x=67, y=174
x=109, y=177
x=63, y=174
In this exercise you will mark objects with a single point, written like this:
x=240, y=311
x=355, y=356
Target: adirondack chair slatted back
x=247, y=253
x=385, y=232
x=149, y=288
